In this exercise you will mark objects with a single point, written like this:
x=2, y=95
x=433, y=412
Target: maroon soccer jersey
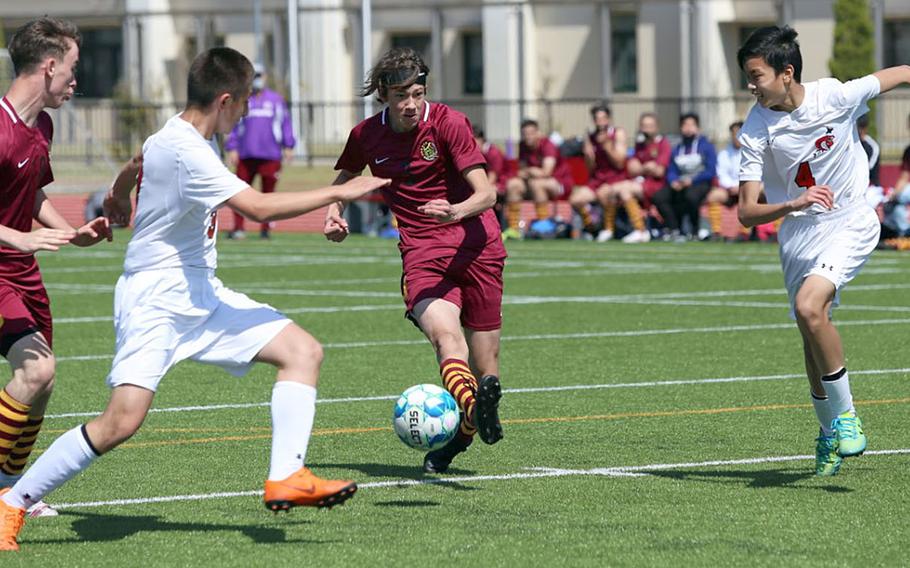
x=656, y=150
x=425, y=164
x=534, y=157
x=496, y=163
x=24, y=169
x=604, y=170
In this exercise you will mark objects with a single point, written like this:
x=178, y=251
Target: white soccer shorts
x=162, y=317
x=832, y=245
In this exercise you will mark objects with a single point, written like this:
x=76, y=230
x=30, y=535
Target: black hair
x=736, y=124
x=600, y=107
x=217, y=71
x=777, y=46
x=863, y=121
x=400, y=67
x=686, y=116
x=478, y=131
x=529, y=122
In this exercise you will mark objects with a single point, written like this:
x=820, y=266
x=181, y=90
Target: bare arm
x=616, y=151
x=892, y=77
x=47, y=214
x=483, y=198
x=752, y=213
x=336, y=227
x=262, y=207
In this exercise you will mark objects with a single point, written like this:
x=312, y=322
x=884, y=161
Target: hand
x=357, y=187
x=118, y=209
x=42, y=239
x=441, y=210
x=336, y=228
x=233, y=158
x=93, y=232
x=815, y=195
x=287, y=155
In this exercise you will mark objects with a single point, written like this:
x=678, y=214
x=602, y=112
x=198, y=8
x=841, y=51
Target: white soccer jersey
x=183, y=184
x=816, y=144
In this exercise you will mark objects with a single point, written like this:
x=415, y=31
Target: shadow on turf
x=754, y=479
x=397, y=471
x=407, y=504
x=90, y=527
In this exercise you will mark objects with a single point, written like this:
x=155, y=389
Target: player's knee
x=810, y=314
x=307, y=353
x=38, y=374
x=447, y=343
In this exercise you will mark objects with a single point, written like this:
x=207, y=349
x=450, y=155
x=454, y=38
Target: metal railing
x=103, y=130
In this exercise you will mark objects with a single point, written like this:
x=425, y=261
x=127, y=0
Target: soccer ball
x=425, y=417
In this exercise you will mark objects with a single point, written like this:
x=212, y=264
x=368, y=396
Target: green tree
x=854, y=45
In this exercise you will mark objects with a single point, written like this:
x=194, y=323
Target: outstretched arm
x=336, y=228
x=262, y=207
x=893, y=77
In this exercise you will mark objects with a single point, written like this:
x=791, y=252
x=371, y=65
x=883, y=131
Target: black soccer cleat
x=438, y=461
x=486, y=411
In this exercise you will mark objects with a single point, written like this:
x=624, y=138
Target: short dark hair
x=216, y=71
x=777, y=46
x=478, y=131
x=399, y=67
x=687, y=115
x=600, y=107
x=529, y=122
x=40, y=38
x=863, y=121
x=736, y=124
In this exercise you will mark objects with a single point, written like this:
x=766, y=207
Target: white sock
x=837, y=387
x=824, y=414
x=67, y=456
x=293, y=410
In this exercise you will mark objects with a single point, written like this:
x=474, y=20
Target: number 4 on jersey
x=804, y=177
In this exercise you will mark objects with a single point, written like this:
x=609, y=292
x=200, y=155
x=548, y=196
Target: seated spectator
x=896, y=210
x=496, y=167
x=693, y=166
x=725, y=192
x=604, y=149
x=646, y=170
x=543, y=175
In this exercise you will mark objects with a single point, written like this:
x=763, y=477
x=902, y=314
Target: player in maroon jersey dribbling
x=451, y=248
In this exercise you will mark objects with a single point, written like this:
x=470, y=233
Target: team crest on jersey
x=825, y=142
x=428, y=151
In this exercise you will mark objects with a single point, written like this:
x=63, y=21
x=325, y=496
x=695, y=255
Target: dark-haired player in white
x=801, y=141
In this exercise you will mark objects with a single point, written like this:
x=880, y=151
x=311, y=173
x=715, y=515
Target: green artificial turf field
x=655, y=413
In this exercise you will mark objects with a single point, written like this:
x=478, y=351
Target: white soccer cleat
x=604, y=236
x=41, y=509
x=637, y=237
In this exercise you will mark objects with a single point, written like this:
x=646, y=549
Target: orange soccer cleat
x=11, y=521
x=303, y=489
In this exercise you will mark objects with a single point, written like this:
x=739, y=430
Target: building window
x=100, y=62
x=418, y=42
x=625, y=60
x=897, y=43
x=473, y=63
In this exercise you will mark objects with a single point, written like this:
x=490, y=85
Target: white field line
x=562, y=336
x=515, y=300
x=529, y=473
x=526, y=390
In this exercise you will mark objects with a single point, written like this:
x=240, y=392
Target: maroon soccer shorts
x=23, y=312
x=473, y=284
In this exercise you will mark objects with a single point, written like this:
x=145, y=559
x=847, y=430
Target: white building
x=498, y=60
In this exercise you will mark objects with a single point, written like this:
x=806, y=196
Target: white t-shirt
x=816, y=144
x=183, y=184
x=728, y=167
